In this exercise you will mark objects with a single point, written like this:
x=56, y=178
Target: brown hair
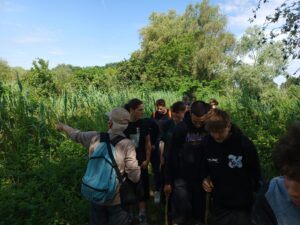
x=213, y=101
x=217, y=121
x=133, y=104
x=160, y=102
x=178, y=107
x=286, y=155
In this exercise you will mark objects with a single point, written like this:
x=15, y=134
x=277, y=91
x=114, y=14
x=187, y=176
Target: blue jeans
x=108, y=215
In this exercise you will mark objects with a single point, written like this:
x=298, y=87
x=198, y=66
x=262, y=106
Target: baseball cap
x=119, y=115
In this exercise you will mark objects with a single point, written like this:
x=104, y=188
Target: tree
x=257, y=65
x=41, y=78
x=5, y=71
x=288, y=12
x=175, y=47
x=62, y=76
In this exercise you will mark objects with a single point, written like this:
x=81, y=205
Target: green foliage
x=41, y=169
x=174, y=47
x=5, y=71
x=287, y=23
x=41, y=79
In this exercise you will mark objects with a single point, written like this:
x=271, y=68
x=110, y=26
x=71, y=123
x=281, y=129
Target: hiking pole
x=166, y=210
x=206, y=207
x=207, y=201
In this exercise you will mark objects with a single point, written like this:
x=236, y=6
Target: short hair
x=286, y=155
x=200, y=108
x=186, y=99
x=213, y=101
x=160, y=102
x=217, y=121
x=178, y=107
x=133, y=104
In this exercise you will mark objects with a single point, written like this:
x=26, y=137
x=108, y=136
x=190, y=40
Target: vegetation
x=192, y=53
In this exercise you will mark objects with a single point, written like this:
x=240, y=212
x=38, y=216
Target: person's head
x=198, y=112
x=118, y=119
x=214, y=103
x=219, y=125
x=160, y=105
x=286, y=157
x=178, y=109
x=187, y=102
x=136, y=109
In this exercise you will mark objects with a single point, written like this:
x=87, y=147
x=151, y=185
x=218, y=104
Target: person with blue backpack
x=112, y=152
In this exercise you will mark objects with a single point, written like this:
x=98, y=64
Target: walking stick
x=207, y=201
x=166, y=210
x=207, y=207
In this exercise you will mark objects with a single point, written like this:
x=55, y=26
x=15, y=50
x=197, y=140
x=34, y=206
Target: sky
x=94, y=32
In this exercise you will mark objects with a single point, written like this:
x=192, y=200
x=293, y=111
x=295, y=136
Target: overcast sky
x=93, y=32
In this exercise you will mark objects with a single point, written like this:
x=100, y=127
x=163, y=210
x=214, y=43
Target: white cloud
x=239, y=12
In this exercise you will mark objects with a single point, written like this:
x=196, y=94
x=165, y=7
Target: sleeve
x=132, y=169
x=204, y=173
x=177, y=141
x=252, y=164
x=262, y=213
x=83, y=138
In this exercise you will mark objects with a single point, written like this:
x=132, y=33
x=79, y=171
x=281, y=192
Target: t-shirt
x=137, y=132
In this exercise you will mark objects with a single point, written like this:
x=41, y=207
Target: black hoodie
x=234, y=169
x=185, y=154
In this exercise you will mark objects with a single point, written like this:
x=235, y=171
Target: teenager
x=278, y=203
x=160, y=116
x=182, y=174
x=138, y=132
x=231, y=170
x=178, y=110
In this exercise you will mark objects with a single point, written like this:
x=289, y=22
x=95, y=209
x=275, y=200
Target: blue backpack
x=102, y=176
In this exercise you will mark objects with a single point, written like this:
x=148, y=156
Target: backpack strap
x=153, y=116
x=116, y=140
x=169, y=114
x=104, y=137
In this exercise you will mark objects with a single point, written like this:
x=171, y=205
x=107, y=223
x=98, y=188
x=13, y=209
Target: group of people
x=204, y=167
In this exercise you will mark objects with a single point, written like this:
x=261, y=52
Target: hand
x=167, y=189
x=144, y=164
x=207, y=185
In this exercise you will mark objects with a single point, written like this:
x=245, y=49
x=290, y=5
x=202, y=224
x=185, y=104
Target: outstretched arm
x=84, y=138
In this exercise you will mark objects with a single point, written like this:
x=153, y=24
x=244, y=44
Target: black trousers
x=108, y=215
x=188, y=202
x=221, y=216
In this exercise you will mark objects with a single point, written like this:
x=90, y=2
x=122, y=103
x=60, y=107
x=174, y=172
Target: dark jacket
x=234, y=168
x=185, y=154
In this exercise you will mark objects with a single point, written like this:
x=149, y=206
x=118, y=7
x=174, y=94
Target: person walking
x=110, y=213
x=182, y=172
x=138, y=132
x=278, y=202
x=231, y=171
x=160, y=117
